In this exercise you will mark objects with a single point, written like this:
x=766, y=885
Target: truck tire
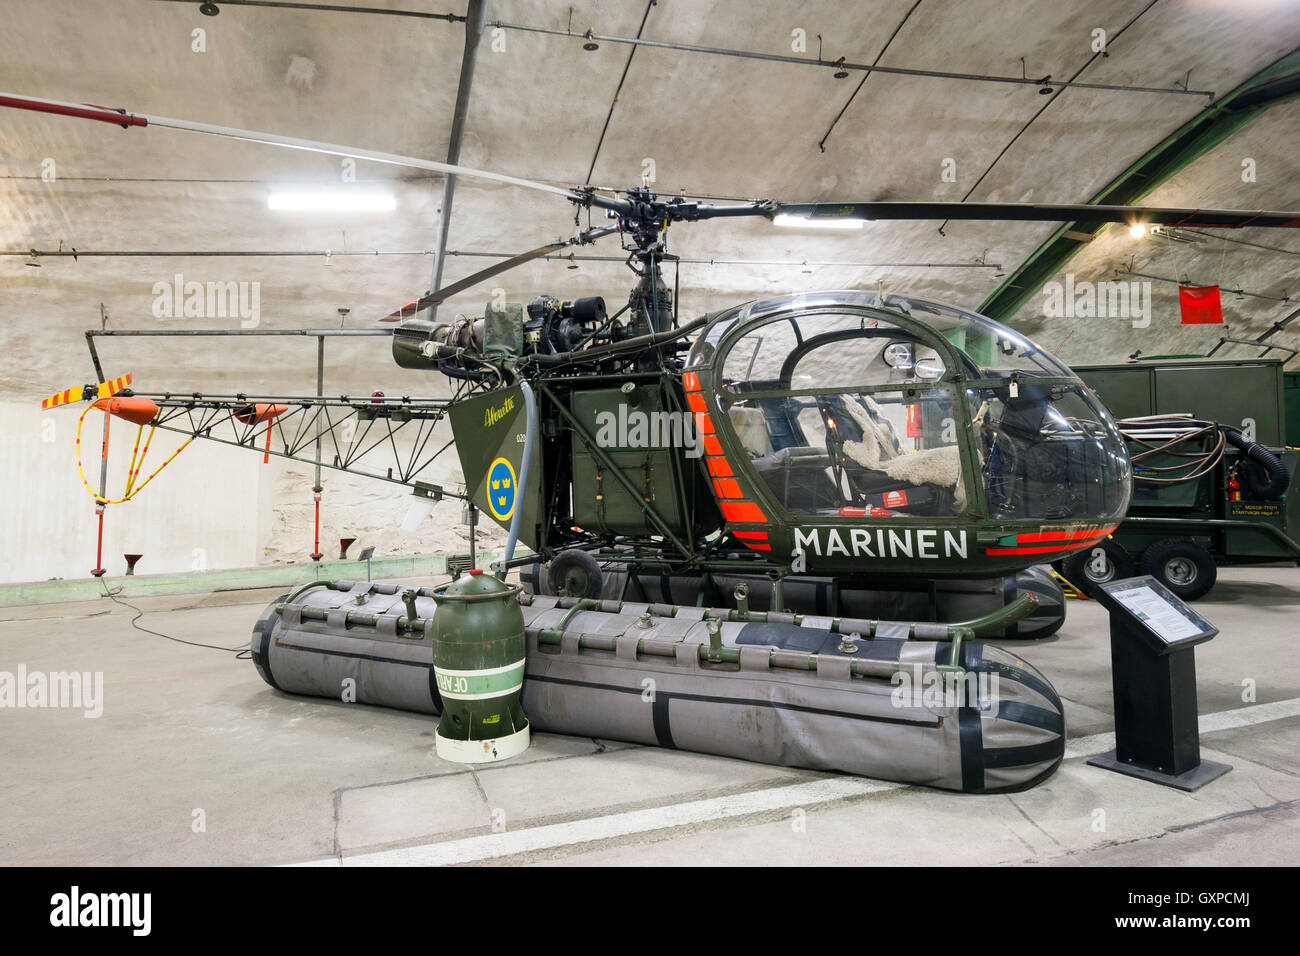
x=1097, y=564
x=1181, y=565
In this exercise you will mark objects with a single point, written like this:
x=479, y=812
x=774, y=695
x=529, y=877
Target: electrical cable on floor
x=241, y=653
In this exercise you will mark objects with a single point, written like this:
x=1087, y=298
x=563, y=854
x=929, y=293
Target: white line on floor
x=1245, y=716
x=495, y=845
x=618, y=824
x=1209, y=723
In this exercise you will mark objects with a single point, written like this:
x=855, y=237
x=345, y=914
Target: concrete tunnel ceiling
x=712, y=125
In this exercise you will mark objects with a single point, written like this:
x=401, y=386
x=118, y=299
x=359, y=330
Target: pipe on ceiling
x=1179, y=282
x=844, y=66
x=332, y=8
x=204, y=253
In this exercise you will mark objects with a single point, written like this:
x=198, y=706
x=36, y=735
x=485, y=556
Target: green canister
x=478, y=663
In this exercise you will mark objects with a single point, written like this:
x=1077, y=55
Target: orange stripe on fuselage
x=727, y=488
x=742, y=512
x=719, y=467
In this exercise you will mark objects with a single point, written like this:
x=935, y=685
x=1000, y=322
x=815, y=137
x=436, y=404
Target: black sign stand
x=1153, y=636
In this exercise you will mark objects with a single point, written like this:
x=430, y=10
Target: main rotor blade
x=460, y=285
x=1043, y=212
x=120, y=117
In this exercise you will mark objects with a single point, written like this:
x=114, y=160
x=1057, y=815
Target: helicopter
x=872, y=440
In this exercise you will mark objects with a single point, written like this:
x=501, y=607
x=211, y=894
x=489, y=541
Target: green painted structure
x=233, y=579
x=1175, y=152
x=1226, y=525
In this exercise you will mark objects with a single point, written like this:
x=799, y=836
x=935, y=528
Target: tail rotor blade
x=112, y=387
x=80, y=393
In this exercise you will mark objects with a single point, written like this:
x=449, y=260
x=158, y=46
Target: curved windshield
x=845, y=412
x=1048, y=452
x=992, y=348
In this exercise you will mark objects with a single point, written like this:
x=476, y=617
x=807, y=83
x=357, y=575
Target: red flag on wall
x=1200, y=304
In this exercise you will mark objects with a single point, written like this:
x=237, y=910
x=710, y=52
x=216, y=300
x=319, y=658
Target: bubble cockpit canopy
x=850, y=406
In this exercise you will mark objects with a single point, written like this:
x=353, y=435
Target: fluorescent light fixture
x=340, y=199
x=803, y=222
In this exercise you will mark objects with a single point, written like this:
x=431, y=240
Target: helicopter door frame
x=954, y=382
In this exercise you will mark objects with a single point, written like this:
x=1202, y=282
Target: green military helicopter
x=837, y=444
x=833, y=445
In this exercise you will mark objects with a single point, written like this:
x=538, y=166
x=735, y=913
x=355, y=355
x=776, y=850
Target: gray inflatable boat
x=910, y=702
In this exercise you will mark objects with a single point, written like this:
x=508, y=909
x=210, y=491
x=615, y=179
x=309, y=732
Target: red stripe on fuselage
x=1063, y=535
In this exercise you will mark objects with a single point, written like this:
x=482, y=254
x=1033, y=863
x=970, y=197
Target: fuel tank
x=889, y=700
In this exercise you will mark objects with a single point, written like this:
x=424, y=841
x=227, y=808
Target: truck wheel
x=1101, y=563
x=1182, y=566
x=575, y=574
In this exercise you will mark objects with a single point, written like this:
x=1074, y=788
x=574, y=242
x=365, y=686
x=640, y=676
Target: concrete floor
x=192, y=736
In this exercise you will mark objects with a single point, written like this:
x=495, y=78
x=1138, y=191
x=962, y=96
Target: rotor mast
x=645, y=237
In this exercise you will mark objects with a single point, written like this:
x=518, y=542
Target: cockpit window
x=878, y=422
x=869, y=432
x=1048, y=452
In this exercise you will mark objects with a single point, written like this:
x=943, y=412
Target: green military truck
x=1291, y=393
x=1223, y=496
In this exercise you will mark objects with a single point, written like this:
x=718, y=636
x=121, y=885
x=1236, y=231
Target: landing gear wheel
x=1182, y=566
x=575, y=573
x=1101, y=563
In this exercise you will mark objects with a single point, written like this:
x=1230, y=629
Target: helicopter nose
x=1016, y=738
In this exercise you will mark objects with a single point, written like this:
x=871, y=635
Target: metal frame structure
x=312, y=420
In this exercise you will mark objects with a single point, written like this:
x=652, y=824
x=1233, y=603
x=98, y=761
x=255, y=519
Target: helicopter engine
x=546, y=326
x=556, y=326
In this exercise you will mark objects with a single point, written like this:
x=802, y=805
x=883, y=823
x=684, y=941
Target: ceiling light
x=347, y=199
x=1137, y=230
x=803, y=222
